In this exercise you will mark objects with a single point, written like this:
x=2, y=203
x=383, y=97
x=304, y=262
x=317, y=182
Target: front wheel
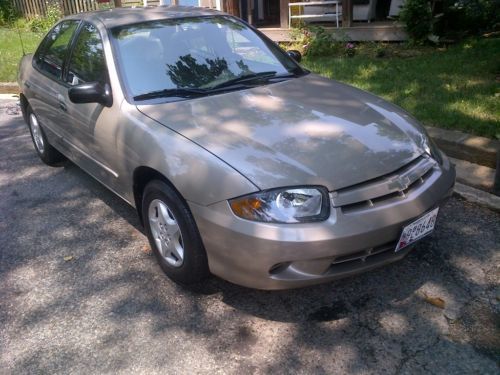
x=173, y=234
x=47, y=153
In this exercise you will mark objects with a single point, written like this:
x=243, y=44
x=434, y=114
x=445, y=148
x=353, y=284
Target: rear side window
x=87, y=63
x=50, y=57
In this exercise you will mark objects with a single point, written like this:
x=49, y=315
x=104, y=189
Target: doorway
x=261, y=13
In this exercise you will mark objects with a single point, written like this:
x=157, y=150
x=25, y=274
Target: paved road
x=110, y=309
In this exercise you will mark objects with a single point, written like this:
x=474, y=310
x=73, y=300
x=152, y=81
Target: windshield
x=195, y=53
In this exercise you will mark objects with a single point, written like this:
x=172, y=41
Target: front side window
x=53, y=50
x=193, y=53
x=87, y=62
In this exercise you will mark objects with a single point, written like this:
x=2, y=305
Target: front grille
x=386, y=189
x=366, y=259
x=364, y=255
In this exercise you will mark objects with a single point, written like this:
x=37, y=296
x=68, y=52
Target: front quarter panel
x=197, y=174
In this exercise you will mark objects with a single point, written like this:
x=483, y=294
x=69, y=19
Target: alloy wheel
x=36, y=131
x=166, y=233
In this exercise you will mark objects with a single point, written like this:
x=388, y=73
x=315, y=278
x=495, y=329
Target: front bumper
x=282, y=256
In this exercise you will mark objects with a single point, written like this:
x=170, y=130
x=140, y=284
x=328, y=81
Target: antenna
x=21, y=39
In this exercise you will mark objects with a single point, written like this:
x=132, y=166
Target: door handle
x=27, y=84
x=62, y=103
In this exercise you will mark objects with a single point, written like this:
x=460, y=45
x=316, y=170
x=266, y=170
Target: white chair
x=360, y=12
x=325, y=13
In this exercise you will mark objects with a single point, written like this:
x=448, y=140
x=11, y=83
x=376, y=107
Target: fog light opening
x=278, y=268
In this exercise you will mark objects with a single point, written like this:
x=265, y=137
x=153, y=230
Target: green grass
x=11, y=52
x=456, y=88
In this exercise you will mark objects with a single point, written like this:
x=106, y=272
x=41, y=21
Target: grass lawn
x=11, y=52
x=456, y=88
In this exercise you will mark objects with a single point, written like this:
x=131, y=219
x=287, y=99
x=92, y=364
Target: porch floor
x=389, y=31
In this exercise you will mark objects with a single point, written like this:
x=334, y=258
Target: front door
x=87, y=64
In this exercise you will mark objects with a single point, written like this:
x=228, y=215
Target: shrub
x=416, y=15
x=315, y=41
x=53, y=14
x=321, y=43
x=380, y=50
x=453, y=18
x=468, y=17
x=8, y=13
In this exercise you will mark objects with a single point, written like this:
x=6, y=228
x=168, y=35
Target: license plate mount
x=418, y=229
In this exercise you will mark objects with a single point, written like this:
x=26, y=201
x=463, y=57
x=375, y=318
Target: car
x=240, y=163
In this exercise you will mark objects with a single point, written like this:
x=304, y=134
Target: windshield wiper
x=245, y=79
x=185, y=92
x=182, y=92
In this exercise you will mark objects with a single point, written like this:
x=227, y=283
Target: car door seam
x=66, y=141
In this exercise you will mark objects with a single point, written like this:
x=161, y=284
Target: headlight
x=287, y=205
x=433, y=150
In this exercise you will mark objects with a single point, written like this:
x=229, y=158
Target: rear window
x=54, y=48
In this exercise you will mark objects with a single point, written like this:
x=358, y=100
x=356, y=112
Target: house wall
x=374, y=31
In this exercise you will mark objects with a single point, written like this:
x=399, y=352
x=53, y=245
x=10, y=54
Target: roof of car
x=126, y=16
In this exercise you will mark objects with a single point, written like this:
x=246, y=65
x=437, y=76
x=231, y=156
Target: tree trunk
x=347, y=13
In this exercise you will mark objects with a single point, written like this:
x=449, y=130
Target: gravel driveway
x=82, y=293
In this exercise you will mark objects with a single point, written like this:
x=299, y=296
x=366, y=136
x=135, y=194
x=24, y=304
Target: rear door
x=46, y=80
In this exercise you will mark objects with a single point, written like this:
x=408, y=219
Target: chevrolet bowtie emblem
x=400, y=183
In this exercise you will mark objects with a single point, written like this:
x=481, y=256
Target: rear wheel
x=173, y=234
x=44, y=149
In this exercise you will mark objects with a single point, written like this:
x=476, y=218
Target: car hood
x=304, y=131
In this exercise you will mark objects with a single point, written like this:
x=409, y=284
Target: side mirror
x=294, y=54
x=92, y=92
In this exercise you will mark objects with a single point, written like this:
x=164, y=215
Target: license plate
x=418, y=229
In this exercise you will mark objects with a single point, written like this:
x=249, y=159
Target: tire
x=47, y=153
x=162, y=209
